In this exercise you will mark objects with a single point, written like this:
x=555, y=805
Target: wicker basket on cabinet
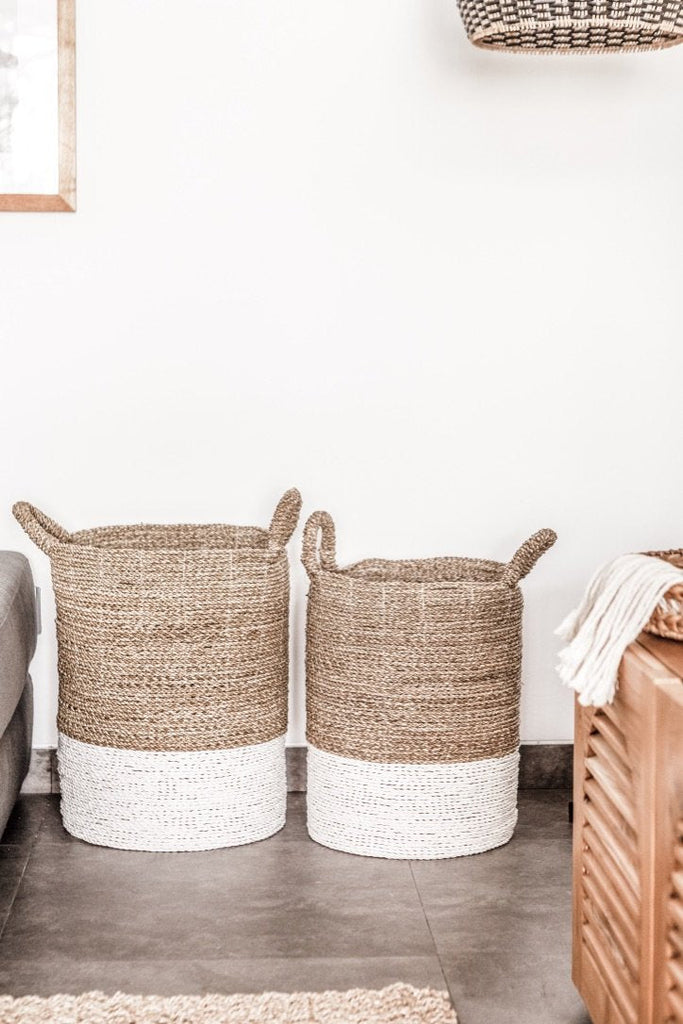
x=667, y=618
x=413, y=687
x=173, y=675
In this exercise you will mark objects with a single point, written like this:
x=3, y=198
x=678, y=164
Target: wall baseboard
x=546, y=766
x=542, y=766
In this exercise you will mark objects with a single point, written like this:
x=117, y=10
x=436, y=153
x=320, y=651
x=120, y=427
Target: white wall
x=332, y=245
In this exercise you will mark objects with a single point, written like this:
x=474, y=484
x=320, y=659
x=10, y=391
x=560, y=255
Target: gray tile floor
x=287, y=914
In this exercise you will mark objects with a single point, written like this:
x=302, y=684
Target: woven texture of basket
x=573, y=26
x=173, y=679
x=413, y=686
x=667, y=618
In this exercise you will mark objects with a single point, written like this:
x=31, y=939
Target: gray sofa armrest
x=17, y=631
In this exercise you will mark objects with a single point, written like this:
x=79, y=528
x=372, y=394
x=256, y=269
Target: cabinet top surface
x=668, y=652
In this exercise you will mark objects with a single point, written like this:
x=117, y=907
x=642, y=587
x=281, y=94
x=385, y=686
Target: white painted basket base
x=411, y=811
x=172, y=801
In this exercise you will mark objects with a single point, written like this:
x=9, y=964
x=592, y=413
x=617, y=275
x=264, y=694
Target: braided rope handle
x=525, y=558
x=285, y=517
x=319, y=551
x=42, y=530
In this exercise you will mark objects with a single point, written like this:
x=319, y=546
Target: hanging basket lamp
x=573, y=26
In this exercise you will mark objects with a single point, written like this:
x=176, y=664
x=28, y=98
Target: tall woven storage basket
x=413, y=687
x=173, y=676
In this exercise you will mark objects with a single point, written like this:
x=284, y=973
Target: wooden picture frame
x=64, y=199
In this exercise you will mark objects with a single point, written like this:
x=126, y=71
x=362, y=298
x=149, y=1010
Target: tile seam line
x=431, y=935
x=17, y=887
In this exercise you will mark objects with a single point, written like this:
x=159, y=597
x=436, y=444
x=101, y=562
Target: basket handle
x=42, y=530
x=319, y=550
x=525, y=558
x=285, y=517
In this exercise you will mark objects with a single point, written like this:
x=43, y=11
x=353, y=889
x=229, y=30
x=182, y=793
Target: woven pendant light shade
x=573, y=26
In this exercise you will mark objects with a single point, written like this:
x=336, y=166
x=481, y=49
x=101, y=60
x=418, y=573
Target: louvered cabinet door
x=670, y=856
x=628, y=844
x=674, y=946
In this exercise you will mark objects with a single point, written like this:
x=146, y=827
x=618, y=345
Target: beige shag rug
x=398, y=1004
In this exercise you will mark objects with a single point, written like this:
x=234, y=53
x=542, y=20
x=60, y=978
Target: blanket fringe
x=618, y=603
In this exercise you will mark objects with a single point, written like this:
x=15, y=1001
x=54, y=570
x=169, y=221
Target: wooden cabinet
x=628, y=843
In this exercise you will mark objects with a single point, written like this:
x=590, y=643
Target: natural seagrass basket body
x=413, y=689
x=173, y=677
x=573, y=26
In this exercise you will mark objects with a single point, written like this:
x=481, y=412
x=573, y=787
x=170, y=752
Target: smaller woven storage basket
x=667, y=618
x=413, y=688
x=573, y=26
x=173, y=679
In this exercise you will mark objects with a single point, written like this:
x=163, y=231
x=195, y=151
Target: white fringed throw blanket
x=616, y=606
